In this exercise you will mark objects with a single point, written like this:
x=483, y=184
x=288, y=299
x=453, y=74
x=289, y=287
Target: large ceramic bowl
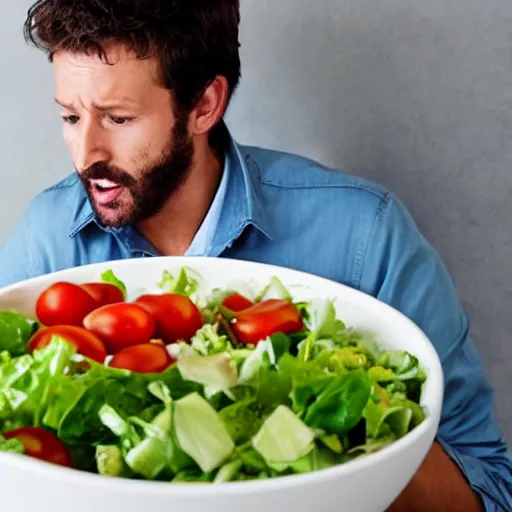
x=369, y=483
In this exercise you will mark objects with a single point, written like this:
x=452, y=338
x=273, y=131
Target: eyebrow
x=96, y=106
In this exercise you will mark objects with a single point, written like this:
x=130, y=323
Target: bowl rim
x=201, y=489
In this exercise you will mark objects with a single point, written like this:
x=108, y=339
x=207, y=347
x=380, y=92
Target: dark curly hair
x=194, y=40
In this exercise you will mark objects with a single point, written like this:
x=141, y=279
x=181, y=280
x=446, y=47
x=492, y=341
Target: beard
x=144, y=196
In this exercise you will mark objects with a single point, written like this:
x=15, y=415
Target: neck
x=172, y=230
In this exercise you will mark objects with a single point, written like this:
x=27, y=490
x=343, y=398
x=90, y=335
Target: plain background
x=414, y=95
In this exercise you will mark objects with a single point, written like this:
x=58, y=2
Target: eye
x=70, y=119
x=119, y=121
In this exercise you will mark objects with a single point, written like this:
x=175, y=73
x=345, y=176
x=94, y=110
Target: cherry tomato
x=104, y=293
x=64, y=304
x=237, y=302
x=41, y=444
x=147, y=358
x=266, y=318
x=121, y=325
x=176, y=316
x=86, y=343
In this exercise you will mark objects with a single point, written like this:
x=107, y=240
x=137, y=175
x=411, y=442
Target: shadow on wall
x=416, y=96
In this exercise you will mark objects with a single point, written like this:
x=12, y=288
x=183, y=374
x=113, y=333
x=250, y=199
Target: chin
x=114, y=218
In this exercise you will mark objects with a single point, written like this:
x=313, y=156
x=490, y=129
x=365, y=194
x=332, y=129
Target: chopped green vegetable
x=283, y=438
x=11, y=445
x=243, y=419
x=322, y=324
x=385, y=413
x=109, y=460
x=224, y=411
x=262, y=356
x=316, y=460
x=217, y=373
x=228, y=472
x=110, y=277
x=274, y=290
x=201, y=433
x=184, y=284
x=207, y=341
x=340, y=405
x=15, y=332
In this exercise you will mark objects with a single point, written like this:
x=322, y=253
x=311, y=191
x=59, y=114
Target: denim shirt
x=286, y=210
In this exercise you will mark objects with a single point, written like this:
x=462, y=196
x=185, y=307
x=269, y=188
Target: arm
x=426, y=491
x=403, y=270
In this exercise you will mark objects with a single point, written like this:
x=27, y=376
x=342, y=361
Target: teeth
x=105, y=184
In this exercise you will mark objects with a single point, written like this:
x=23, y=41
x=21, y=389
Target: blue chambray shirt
x=282, y=209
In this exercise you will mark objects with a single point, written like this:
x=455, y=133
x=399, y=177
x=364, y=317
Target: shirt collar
x=203, y=238
x=242, y=207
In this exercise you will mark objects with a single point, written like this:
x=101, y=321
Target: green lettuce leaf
x=109, y=461
x=111, y=278
x=283, y=438
x=11, y=445
x=200, y=432
x=29, y=383
x=187, y=283
x=316, y=460
x=274, y=290
x=228, y=472
x=207, y=341
x=386, y=414
x=148, y=448
x=243, y=419
x=217, y=373
x=15, y=332
x=322, y=324
x=340, y=405
x=404, y=365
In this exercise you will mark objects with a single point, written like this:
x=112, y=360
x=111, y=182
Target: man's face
x=129, y=148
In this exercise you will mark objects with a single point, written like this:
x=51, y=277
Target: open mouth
x=104, y=185
x=105, y=191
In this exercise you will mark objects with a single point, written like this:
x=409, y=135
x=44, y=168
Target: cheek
x=67, y=135
x=142, y=156
x=70, y=140
x=147, y=142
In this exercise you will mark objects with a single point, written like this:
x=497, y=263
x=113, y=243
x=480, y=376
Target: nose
x=91, y=146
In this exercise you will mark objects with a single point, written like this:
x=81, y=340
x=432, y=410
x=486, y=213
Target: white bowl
x=369, y=483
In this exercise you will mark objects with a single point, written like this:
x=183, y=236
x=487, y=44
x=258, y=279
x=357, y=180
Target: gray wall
x=415, y=95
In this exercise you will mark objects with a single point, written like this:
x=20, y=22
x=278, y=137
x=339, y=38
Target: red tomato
x=121, y=325
x=266, y=318
x=86, y=343
x=41, y=444
x=104, y=293
x=237, y=302
x=176, y=316
x=147, y=358
x=64, y=304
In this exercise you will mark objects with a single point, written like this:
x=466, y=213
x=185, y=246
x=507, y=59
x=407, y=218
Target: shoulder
x=69, y=189
x=288, y=176
x=305, y=184
x=291, y=171
x=41, y=232
x=51, y=218
x=58, y=207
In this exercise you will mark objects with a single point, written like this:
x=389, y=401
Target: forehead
x=120, y=76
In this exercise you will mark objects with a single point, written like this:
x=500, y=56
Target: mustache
x=103, y=171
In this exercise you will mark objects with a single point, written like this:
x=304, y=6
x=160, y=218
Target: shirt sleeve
x=16, y=254
x=403, y=270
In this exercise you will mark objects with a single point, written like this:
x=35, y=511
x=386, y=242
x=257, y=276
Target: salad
x=182, y=387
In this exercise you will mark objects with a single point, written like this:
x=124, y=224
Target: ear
x=210, y=108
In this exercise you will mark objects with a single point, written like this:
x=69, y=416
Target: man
x=142, y=89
